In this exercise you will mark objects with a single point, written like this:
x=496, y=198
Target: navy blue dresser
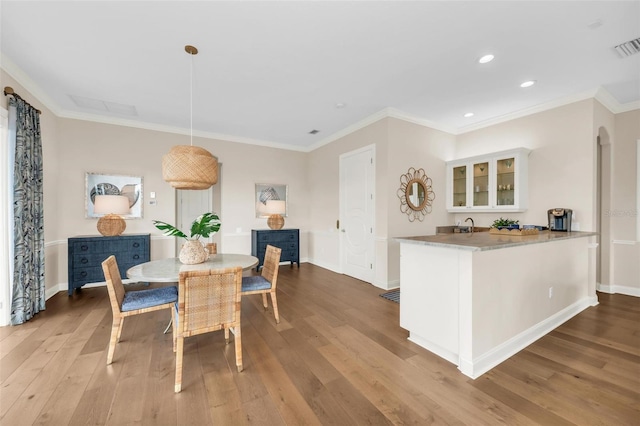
x=86, y=254
x=286, y=239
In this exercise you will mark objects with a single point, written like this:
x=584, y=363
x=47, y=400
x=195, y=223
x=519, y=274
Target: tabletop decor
x=193, y=251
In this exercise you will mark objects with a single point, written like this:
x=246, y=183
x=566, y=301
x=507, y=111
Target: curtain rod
x=9, y=91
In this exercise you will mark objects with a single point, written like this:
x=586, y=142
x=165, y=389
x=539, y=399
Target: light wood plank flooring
x=338, y=357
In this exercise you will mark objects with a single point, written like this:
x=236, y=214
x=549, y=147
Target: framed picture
x=103, y=184
x=270, y=191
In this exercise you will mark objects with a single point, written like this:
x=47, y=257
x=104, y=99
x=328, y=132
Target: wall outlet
x=550, y=292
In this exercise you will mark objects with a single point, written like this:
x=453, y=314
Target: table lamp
x=275, y=209
x=111, y=206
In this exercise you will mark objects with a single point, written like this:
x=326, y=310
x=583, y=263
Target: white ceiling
x=270, y=72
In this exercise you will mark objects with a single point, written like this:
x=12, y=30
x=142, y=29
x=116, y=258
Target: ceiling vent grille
x=628, y=48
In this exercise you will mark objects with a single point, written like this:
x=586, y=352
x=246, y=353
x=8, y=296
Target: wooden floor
x=337, y=357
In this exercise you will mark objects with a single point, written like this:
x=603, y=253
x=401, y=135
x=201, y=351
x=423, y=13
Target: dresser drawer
x=277, y=236
x=86, y=254
x=286, y=239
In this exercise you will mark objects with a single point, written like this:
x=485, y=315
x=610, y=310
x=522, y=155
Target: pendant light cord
x=191, y=99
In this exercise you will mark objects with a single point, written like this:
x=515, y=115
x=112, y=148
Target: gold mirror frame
x=423, y=182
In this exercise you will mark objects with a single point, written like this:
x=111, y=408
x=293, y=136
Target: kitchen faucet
x=472, y=224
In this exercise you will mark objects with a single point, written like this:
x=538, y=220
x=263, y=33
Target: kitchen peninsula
x=476, y=299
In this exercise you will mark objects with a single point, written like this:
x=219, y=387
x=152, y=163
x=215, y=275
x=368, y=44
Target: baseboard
x=331, y=267
x=436, y=349
x=480, y=365
x=619, y=289
x=65, y=287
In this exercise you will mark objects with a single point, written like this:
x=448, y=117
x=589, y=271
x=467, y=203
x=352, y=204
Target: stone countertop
x=479, y=241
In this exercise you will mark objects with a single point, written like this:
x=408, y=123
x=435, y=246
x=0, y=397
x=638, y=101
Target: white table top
x=168, y=270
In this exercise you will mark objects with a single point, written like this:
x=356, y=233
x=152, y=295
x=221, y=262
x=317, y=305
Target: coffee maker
x=560, y=219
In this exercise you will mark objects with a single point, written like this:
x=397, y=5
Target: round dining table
x=168, y=270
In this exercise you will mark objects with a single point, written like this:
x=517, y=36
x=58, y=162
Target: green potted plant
x=193, y=251
x=505, y=223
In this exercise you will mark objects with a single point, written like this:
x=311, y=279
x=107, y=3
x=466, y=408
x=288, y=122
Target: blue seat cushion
x=255, y=283
x=141, y=299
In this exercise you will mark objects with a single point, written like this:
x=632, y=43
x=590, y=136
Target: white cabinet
x=490, y=183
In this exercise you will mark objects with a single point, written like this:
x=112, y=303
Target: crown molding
x=174, y=129
x=25, y=81
x=350, y=129
x=401, y=115
x=600, y=94
x=556, y=103
x=612, y=104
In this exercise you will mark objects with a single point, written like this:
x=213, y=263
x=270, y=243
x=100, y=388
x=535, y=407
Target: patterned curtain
x=28, y=296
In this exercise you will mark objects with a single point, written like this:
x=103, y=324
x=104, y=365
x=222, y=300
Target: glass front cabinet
x=491, y=183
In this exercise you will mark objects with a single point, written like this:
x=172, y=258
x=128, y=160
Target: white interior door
x=357, y=187
x=189, y=205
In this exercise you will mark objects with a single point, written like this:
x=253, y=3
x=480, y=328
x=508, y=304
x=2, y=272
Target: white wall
x=625, y=256
x=561, y=163
x=561, y=174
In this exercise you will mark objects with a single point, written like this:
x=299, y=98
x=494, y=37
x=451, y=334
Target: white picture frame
x=111, y=184
x=270, y=191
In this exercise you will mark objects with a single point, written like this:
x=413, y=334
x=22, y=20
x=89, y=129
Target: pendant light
x=188, y=166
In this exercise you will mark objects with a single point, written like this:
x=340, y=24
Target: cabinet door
x=480, y=184
x=459, y=186
x=506, y=195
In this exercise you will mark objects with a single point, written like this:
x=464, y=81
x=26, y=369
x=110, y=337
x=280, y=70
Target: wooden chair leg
x=226, y=335
x=274, y=302
x=120, y=328
x=178, y=384
x=116, y=326
x=264, y=301
x=238, y=340
x=175, y=331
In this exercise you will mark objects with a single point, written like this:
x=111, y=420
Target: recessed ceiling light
x=340, y=105
x=469, y=114
x=485, y=59
x=528, y=83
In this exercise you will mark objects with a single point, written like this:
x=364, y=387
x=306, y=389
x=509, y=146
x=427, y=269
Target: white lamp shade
x=276, y=207
x=114, y=204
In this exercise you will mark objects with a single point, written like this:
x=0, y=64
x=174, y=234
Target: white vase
x=192, y=252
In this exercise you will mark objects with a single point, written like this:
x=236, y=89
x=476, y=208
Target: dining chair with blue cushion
x=266, y=283
x=125, y=304
x=208, y=300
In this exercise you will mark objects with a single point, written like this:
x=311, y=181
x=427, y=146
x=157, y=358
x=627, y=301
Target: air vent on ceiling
x=628, y=48
x=314, y=131
x=99, y=105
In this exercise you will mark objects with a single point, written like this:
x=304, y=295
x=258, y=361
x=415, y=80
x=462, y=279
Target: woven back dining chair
x=128, y=303
x=266, y=283
x=212, y=248
x=207, y=301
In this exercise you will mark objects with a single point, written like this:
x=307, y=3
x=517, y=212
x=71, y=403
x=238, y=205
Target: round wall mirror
x=415, y=194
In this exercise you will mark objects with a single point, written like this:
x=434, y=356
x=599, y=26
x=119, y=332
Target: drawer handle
x=136, y=245
x=84, y=260
x=135, y=256
x=83, y=274
x=84, y=248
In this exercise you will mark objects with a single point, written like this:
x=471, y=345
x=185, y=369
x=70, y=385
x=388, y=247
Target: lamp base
x=111, y=225
x=275, y=221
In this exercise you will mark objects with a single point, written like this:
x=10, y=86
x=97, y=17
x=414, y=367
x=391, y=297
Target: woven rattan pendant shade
x=189, y=167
